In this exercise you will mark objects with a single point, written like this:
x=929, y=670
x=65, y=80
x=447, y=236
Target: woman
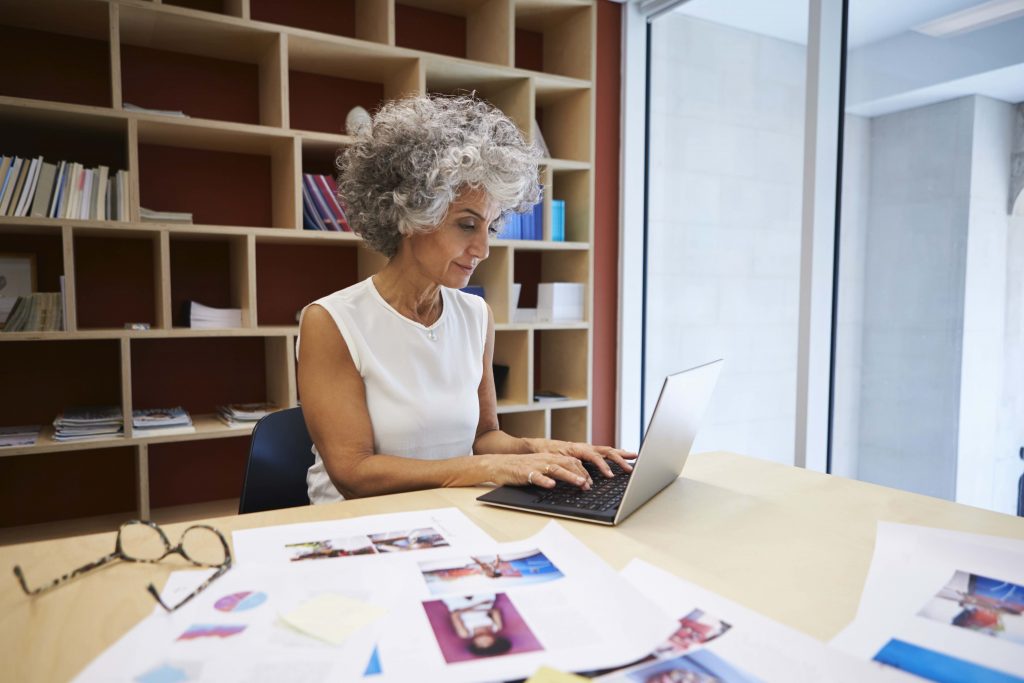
x=477, y=620
x=395, y=371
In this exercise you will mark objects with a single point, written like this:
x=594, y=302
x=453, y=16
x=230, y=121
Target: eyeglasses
x=143, y=541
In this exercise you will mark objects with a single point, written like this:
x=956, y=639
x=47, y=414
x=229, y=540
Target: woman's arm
x=334, y=406
x=490, y=438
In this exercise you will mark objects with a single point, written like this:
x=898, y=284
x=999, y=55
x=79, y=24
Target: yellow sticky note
x=546, y=674
x=332, y=617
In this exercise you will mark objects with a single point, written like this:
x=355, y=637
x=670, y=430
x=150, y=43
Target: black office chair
x=275, y=476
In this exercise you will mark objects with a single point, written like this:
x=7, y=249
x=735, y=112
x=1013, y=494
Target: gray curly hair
x=400, y=176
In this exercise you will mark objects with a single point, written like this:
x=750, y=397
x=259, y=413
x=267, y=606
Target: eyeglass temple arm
x=63, y=579
x=213, y=577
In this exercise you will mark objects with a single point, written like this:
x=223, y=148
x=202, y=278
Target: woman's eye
x=492, y=231
x=468, y=226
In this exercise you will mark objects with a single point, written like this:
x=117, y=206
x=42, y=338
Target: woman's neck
x=409, y=292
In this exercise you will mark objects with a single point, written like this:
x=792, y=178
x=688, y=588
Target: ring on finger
x=529, y=477
x=547, y=468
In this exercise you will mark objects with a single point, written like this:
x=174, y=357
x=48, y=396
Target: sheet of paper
x=546, y=674
x=502, y=611
x=943, y=605
x=332, y=617
x=423, y=534
x=236, y=629
x=717, y=637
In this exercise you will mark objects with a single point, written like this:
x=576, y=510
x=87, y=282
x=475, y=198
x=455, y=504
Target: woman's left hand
x=586, y=452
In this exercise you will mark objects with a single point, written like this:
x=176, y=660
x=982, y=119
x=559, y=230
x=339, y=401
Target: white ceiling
x=870, y=20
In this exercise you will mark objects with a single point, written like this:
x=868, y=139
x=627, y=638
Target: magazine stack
x=244, y=414
x=161, y=421
x=76, y=424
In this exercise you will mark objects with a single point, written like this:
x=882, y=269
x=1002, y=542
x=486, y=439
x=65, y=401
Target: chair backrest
x=275, y=476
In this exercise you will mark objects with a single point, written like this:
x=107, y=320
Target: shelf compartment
x=45, y=377
x=569, y=424
x=212, y=271
x=116, y=277
x=221, y=177
x=290, y=276
x=513, y=96
x=531, y=424
x=47, y=487
x=362, y=19
x=533, y=266
x=91, y=140
x=479, y=30
x=47, y=250
x=562, y=117
x=200, y=373
x=513, y=349
x=560, y=363
x=223, y=70
x=554, y=38
x=326, y=79
x=492, y=275
x=197, y=471
x=62, y=51
x=573, y=187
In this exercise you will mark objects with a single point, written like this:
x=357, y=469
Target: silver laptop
x=681, y=406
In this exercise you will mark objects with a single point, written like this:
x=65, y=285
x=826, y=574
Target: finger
x=591, y=455
x=618, y=457
x=537, y=478
x=557, y=472
x=575, y=464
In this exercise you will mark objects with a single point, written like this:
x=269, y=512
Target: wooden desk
x=791, y=544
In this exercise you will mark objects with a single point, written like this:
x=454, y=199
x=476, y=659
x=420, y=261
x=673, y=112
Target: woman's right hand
x=540, y=469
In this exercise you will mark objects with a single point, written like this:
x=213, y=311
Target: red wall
x=606, y=207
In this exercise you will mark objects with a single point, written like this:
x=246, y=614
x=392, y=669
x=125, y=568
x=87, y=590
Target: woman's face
x=450, y=254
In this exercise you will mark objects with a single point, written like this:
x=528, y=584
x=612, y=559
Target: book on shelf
x=127, y=106
x=36, y=312
x=544, y=396
x=557, y=220
x=88, y=423
x=476, y=290
x=199, y=316
x=24, y=435
x=525, y=226
x=244, y=414
x=321, y=209
x=164, y=216
x=37, y=188
x=161, y=421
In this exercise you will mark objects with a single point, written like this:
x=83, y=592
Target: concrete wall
x=913, y=297
x=723, y=268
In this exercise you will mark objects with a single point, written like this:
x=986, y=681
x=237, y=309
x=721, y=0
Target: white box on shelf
x=525, y=315
x=560, y=302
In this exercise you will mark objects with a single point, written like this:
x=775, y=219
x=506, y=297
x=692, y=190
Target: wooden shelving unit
x=267, y=86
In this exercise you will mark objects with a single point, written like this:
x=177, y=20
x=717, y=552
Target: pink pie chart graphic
x=240, y=602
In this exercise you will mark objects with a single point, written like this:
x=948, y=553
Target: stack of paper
x=164, y=216
x=560, y=302
x=19, y=436
x=205, y=317
x=244, y=414
x=161, y=421
x=88, y=423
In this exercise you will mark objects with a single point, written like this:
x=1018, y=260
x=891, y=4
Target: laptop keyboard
x=603, y=495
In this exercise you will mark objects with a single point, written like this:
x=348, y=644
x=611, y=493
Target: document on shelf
x=422, y=533
x=943, y=605
x=500, y=613
x=314, y=621
x=716, y=639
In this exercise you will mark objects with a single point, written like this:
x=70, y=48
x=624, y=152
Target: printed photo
x=416, y=539
x=332, y=547
x=474, y=627
x=696, y=628
x=980, y=604
x=486, y=572
x=937, y=666
x=702, y=666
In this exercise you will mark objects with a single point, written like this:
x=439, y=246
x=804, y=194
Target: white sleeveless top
x=421, y=382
